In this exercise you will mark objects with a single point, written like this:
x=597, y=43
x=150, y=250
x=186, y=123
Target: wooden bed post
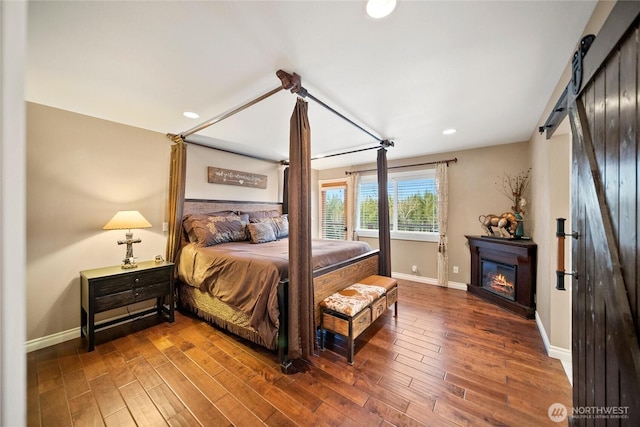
x=283, y=330
x=383, y=214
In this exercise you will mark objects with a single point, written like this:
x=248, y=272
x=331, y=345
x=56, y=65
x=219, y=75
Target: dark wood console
x=516, y=256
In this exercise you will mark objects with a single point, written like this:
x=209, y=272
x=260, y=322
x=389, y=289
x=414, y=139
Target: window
x=333, y=201
x=413, y=206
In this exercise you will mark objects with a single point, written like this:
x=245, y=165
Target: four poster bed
x=242, y=287
x=269, y=292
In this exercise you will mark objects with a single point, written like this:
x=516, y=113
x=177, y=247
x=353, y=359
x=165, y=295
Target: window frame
x=394, y=177
x=331, y=184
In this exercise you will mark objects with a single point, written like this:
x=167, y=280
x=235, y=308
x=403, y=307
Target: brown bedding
x=246, y=276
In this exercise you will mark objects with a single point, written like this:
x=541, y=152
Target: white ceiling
x=484, y=68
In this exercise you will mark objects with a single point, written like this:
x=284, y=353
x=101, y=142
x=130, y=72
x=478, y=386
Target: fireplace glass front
x=499, y=278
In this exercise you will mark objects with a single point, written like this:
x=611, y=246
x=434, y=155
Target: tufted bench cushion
x=353, y=299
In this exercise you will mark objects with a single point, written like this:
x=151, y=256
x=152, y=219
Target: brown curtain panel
x=177, y=177
x=384, y=235
x=302, y=337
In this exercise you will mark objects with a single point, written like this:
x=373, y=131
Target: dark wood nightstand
x=107, y=288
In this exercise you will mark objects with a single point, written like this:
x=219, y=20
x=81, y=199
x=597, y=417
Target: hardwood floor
x=448, y=359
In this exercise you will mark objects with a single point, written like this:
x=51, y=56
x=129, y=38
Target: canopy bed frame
x=298, y=292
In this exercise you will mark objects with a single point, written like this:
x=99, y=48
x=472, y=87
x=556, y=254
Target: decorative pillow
x=207, y=230
x=187, y=220
x=261, y=232
x=257, y=216
x=280, y=226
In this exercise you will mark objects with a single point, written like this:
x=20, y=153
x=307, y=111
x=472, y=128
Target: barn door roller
x=559, y=111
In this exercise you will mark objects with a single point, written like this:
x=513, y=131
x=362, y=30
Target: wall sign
x=231, y=177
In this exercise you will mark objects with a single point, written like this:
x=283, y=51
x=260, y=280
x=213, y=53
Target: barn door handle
x=560, y=272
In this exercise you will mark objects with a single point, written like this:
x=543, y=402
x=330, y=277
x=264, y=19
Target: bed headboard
x=194, y=206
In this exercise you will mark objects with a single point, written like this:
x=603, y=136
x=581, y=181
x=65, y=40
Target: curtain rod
x=228, y=114
x=286, y=162
x=454, y=160
x=175, y=138
x=376, y=147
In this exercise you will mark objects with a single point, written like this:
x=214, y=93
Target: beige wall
x=550, y=190
x=80, y=172
x=197, y=187
x=472, y=192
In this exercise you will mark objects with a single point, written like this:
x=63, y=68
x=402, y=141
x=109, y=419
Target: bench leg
x=321, y=337
x=350, y=346
x=395, y=309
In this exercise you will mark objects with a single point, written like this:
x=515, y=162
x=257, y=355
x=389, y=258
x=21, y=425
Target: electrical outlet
x=165, y=226
x=414, y=268
x=455, y=269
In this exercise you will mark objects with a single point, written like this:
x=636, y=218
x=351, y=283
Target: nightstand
x=107, y=288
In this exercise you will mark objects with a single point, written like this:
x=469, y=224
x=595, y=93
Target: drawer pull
x=137, y=280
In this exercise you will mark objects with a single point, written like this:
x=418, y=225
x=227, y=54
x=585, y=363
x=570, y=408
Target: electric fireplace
x=503, y=272
x=499, y=278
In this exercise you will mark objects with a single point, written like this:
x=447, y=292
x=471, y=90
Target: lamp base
x=129, y=263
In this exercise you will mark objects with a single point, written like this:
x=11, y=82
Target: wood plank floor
x=448, y=359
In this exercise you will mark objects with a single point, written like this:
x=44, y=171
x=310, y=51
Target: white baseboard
x=54, y=339
x=562, y=354
x=68, y=335
x=428, y=280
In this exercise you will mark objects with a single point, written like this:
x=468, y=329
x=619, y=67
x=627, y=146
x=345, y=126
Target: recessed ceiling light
x=377, y=9
x=448, y=132
x=191, y=115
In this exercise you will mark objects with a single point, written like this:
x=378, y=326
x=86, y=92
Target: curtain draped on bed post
x=442, y=183
x=384, y=235
x=177, y=177
x=302, y=336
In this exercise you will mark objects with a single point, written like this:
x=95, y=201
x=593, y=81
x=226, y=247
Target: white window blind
x=417, y=203
x=333, y=211
x=368, y=204
x=413, y=206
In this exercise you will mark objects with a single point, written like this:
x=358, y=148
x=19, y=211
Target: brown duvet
x=245, y=276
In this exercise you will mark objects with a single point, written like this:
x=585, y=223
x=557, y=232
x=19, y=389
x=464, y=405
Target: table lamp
x=126, y=220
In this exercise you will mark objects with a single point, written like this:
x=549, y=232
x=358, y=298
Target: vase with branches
x=514, y=188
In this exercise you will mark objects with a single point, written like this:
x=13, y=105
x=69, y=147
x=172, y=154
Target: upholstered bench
x=350, y=311
x=390, y=284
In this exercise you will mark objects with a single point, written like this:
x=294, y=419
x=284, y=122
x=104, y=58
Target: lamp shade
x=127, y=220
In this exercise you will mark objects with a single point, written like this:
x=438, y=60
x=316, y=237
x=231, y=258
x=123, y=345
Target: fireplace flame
x=501, y=281
x=501, y=284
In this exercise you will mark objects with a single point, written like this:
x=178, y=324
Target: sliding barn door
x=605, y=212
